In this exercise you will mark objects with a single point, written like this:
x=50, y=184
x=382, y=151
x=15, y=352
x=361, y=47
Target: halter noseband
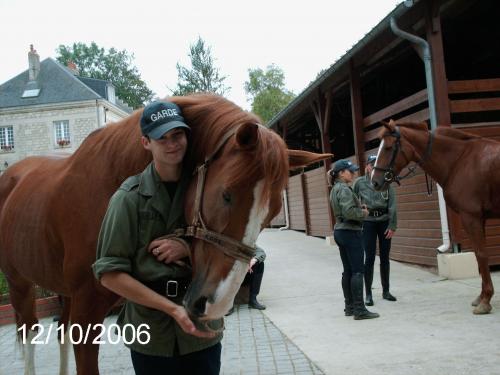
x=231, y=247
x=389, y=175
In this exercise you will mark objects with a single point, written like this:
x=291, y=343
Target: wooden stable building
x=383, y=77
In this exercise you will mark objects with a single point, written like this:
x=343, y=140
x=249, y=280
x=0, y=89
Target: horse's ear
x=299, y=158
x=391, y=125
x=247, y=135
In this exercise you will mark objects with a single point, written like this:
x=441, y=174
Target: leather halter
x=389, y=175
x=231, y=247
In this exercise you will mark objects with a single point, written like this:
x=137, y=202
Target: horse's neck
x=110, y=162
x=444, y=152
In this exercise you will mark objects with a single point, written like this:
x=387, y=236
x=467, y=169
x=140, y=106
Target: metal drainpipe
x=287, y=218
x=426, y=56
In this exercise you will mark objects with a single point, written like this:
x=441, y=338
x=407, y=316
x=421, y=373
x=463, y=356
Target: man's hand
x=181, y=317
x=364, y=208
x=389, y=233
x=253, y=262
x=167, y=250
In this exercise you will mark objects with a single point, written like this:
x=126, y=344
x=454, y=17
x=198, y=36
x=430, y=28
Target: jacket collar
x=150, y=185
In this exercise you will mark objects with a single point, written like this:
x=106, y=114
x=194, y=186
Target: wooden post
x=435, y=40
x=321, y=109
x=357, y=116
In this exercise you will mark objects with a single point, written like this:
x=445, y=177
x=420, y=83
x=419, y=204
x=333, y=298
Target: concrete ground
x=430, y=329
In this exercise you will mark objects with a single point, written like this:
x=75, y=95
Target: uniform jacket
x=376, y=200
x=346, y=207
x=140, y=211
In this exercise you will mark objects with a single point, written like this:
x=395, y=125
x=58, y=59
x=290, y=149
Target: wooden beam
x=476, y=85
x=475, y=105
x=395, y=108
x=357, y=115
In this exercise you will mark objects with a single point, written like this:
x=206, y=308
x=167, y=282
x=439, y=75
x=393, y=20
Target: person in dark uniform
x=253, y=279
x=152, y=274
x=349, y=216
x=380, y=223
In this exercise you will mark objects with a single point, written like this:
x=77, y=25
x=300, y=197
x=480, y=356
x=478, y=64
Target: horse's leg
x=63, y=337
x=474, y=227
x=22, y=297
x=89, y=307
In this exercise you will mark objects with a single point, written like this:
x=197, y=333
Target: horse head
x=245, y=170
x=394, y=153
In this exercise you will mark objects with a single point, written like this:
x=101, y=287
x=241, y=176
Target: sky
x=301, y=38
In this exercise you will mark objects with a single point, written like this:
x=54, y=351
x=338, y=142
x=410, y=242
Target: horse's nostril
x=199, y=306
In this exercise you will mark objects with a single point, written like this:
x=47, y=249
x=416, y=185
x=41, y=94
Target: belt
x=377, y=212
x=169, y=288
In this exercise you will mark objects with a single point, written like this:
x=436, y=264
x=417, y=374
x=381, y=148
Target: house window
x=61, y=129
x=6, y=138
x=111, y=94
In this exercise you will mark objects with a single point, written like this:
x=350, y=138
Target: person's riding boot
x=368, y=285
x=255, y=283
x=346, y=289
x=384, y=278
x=359, y=309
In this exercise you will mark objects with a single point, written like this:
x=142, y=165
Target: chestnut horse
x=51, y=210
x=464, y=165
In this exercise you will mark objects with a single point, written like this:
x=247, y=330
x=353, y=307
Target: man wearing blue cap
x=349, y=216
x=151, y=273
x=380, y=223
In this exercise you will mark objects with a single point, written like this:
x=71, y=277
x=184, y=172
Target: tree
x=202, y=76
x=115, y=66
x=267, y=91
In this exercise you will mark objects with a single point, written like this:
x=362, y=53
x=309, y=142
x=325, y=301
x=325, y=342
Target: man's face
x=169, y=149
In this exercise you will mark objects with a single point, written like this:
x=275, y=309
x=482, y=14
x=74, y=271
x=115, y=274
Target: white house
x=49, y=108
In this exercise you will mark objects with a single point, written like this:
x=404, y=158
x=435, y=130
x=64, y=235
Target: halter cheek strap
x=229, y=246
x=389, y=175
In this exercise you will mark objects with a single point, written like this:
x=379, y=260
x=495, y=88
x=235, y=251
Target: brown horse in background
x=464, y=165
x=51, y=211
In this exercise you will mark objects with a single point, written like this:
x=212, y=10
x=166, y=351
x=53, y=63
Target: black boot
x=346, y=289
x=368, y=284
x=254, y=304
x=255, y=282
x=360, y=311
x=384, y=278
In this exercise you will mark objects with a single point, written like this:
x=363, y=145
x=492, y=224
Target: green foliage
x=113, y=66
x=202, y=76
x=267, y=91
x=3, y=284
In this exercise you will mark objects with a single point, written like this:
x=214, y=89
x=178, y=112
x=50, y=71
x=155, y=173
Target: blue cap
x=342, y=164
x=159, y=118
x=371, y=159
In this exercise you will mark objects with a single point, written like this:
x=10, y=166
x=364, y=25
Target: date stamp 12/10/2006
x=95, y=334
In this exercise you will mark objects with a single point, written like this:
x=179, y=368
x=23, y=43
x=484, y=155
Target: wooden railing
x=394, y=110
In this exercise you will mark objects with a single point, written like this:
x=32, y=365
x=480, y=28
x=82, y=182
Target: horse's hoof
x=476, y=301
x=482, y=308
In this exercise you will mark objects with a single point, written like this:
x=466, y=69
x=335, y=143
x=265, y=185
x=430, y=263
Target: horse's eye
x=226, y=195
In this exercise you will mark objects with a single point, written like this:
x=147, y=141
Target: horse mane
x=118, y=145
x=211, y=116
x=115, y=147
x=445, y=131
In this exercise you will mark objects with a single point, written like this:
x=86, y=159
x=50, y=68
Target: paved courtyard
x=430, y=330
